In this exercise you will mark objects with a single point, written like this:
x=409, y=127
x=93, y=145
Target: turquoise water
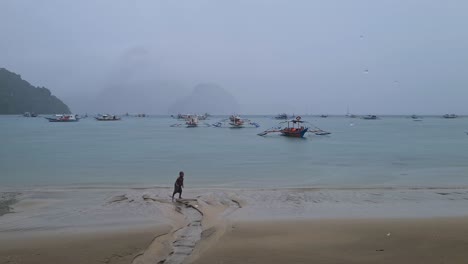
x=393, y=152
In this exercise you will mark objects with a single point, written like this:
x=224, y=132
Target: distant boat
x=203, y=117
x=323, y=116
x=370, y=117
x=450, y=116
x=188, y=116
x=348, y=115
x=235, y=121
x=28, y=114
x=63, y=118
x=192, y=121
x=416, y=118
x=282, y=116
x=107, y=118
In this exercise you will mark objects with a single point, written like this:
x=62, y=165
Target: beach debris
x=118, y=198
x=388, y=234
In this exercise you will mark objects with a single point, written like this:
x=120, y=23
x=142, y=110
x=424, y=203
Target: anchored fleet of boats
x=294, y=127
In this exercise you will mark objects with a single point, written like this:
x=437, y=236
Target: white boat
x=235, y=121
x=63, y=118
x=192, y=121
x=107, y=118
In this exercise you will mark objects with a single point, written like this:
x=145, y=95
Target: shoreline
x=193, y=226
x=13, y=189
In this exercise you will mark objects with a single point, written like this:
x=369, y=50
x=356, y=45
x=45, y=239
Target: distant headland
x=17, y=96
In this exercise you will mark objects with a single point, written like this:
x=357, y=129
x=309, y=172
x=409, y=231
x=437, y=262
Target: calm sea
x=390, y=152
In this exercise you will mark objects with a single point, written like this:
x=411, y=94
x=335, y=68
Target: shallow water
x=391, y=152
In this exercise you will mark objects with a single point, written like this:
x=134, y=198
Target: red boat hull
x=288, y=132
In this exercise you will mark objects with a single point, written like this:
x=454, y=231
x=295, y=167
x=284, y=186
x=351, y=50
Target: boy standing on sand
x=178, y=185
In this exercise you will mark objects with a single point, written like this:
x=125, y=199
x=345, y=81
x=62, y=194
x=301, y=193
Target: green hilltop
x=18, y=96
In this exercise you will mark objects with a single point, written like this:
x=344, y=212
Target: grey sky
x=393, y=57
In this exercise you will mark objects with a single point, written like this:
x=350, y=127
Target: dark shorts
x=177, y=189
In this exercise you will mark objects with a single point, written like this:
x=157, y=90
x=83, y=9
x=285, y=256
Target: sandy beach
x=343, y=241
x=143, y=225
x=99, y=247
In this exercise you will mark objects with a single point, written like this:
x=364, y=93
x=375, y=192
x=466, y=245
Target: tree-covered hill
x=18, y=96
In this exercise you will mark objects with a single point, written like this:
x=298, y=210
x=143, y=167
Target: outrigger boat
x=295, y=128
x=235, y=121
x=190, y=121
x=63, y=118
x=107, y=118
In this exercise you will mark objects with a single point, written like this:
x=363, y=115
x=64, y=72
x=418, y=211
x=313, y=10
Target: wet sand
x=343, y=241
x=6, y=200
x=99, y=247
x=140, y=226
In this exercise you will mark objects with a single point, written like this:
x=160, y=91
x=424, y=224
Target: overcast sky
x=382, y=57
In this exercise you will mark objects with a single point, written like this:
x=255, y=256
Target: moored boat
x=192, y=121
x=282, y=116
x=235, y=121
x=63, y=118
x=416, y=118
x=295, y=128
x=449, y=116
x=107, y=118
x=370, y=117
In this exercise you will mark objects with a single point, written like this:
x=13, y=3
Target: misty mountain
x=206, y=98
x=18, y=96
x=136, y=84
x=137, y=96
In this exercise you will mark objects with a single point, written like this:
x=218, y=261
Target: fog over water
x=379, y=57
